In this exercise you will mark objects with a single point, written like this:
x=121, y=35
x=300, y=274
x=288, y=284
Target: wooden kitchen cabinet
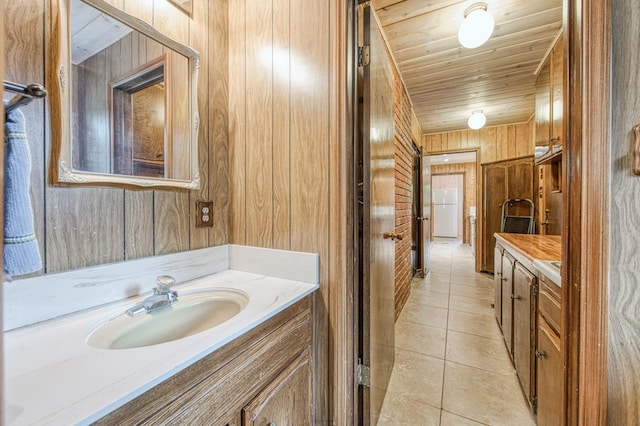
x=548, y=356
x=550, y=98
x=497, y=281
x=501, y=181
x=286, y=401
x=524, y=320
x=218, y=389
x=508, y=264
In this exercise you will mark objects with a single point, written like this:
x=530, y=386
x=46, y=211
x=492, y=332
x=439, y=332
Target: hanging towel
x=21, y=252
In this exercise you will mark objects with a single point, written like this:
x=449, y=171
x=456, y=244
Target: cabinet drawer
x=549, y=303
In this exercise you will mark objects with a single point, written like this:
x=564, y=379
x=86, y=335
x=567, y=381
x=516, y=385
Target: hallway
x=451, y=366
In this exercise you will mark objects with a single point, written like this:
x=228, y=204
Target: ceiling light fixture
x=477, y=26
x=477, y=120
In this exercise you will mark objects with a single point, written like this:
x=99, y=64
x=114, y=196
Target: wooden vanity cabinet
x=524, y=320
x=286, y=401
x=548, y=356
x=265, y=369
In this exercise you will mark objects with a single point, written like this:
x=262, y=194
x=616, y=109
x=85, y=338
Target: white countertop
x=52, y=377
x=546, y=268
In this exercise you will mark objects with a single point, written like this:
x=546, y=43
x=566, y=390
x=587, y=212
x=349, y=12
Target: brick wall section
x=403, y=176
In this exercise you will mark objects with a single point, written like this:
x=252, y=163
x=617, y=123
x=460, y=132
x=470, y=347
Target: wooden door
x=286, y=401
x=426, y=211
x=494, y=194
x=378, y=221
x=548, y=374
x=508, y=263
x=523, y=319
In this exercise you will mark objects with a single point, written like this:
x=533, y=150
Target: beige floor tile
x=482, y=293
x=470, y=323
x=417, y=377
x=468, y=304
x=420, y=338
x=477, y=281
x=480, y=352
x=430, y=296
x=450, y=419
x=484, y=396
x=398, y=409
x=424, y=314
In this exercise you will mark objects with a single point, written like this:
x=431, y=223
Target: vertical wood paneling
x=281, y=125
x=502, y=143
x=217, y=99
x=237, y=122
x=259, y=105
x=199, y=237
x=90, y=226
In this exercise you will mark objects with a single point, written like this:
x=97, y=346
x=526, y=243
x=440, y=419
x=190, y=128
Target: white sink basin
x=194, y=312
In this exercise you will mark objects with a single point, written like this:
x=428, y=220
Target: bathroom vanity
x=254, y=365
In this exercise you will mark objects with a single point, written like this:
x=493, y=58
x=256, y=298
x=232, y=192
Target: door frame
x=585, y=215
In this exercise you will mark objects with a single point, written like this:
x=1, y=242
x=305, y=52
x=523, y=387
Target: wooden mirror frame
x=58, y=68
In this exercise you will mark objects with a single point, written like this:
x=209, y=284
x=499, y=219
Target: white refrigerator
x=445, y=213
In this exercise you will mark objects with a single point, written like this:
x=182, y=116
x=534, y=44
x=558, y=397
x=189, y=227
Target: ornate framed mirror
x=123, y=102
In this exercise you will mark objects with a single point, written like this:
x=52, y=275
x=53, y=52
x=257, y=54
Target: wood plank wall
x=281, y=141
x=79, y=227
x=496, y=143
x=469, y=190
x=403, y=156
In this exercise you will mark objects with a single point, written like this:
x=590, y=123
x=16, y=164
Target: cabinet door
x=286, y=400
x=543, y=105
x=494, y=194
x=497, y=280
x=548, y=376
x=523, y=322
x=507, y=301
x=557, y=92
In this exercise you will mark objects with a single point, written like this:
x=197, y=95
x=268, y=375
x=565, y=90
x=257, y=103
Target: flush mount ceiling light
x=477, y=26
x=477, y=120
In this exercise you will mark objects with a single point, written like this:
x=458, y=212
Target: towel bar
x=24, y=94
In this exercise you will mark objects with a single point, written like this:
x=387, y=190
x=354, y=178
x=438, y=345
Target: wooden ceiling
x=447, y=82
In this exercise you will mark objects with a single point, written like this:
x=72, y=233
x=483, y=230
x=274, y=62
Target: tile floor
x=452, y=367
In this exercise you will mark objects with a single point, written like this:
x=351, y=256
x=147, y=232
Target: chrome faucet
x=162, y=297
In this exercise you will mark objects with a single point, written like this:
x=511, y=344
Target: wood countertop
x=533, y=246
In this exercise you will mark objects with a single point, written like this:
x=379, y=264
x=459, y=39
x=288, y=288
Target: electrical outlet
x=204, y=214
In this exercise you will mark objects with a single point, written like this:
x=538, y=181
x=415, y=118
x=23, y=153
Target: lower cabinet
x=286, y=400
x=497, y=280
x=528, y=308
x=548, y=355
x=508, y=265
x=263, y=377
x=524, y=319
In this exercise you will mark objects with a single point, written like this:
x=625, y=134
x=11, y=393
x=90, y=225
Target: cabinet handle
x=504, y=279
x=539, y=354
x=514, y=297
x=556, y=139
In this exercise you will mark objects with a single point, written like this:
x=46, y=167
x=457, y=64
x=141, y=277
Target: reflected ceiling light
x=477, y=120
x=477, y=26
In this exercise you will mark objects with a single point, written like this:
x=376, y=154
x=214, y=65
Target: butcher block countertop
x=533, y=246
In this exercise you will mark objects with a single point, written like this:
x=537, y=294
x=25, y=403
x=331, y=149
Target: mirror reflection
x=132, y=102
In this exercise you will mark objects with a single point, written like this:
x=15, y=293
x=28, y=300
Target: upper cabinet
x=550, y=100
